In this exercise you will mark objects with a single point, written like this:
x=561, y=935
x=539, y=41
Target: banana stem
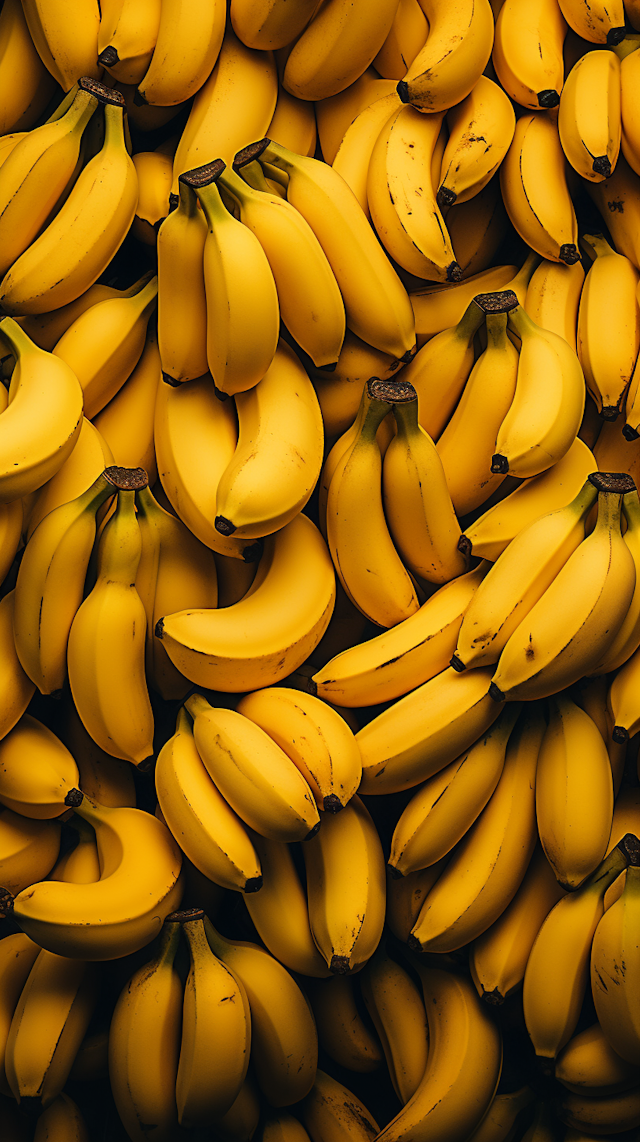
x=253, y=175
x=197, y=704
x=120, y=544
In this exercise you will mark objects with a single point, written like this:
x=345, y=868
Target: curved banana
x=337, y=46
x=38, y=790
x=103, y=778
x=17, y=956
x=270, y=24
x=589, y=1066
x=481, y=128
x=127, y=38
x=126, y=424
x=294, y=124
x=615, y=964
x=609, y=309
x=345, y=443
x=502, y=1122
x=598, y=21
x=623, y=700
x=271, y=631
x=16, y=688
x=589, y=122
x=186, y=48
x=527, y=51
x=455, y=54
x=405, y=896
x=68, y=49
x=28, y=850
x=182, y=304
x=440, y=306
x=46, y=329
x=81, y=864
x=62, y=1121
x=332, y=1111
x=405, y=39
x=354, y=153
x=316, y=738
x=627, y=639
x=553, y=296
x=616, y=1113
x=397, y=1011
x=91, y=456
x=629, y=78
x=333, y=115
x=26, y=86
x=342, y=1032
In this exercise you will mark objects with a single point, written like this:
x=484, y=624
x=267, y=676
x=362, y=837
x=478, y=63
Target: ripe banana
x=127, y=38
x=81, y=864
x=26, y=87
x=552, y=298
x=589, y=115
x=630, y=141
x=17, y=956
x=90, y=457
x=628, y=637
x=186, y=49
x=269, y=24
x=16, y=688
x=203, y=824
x=438, y=307
x=332, y=1111
x=38, y=790
x=405, y=39
x=405, y=897
x=342, y=1032
x=182, y=305
x=608, y=308
x=615, y=964
x=62, y=1121
x=11, y=527
x=617, y=1113
x=589, y=1066
x=103, y=778
x=354, y=153
x=599, y=22
x=478, y=228
x=28, y=850
x=621, y=217
x=68, y=49
x=126, y=423
x=334, y=115
x=46, y=329
x=272, y=630
x=294, y=124
x=455, y=54
x=527, y=51
x=397, y=1011
x=337, y=46
x=480, y=132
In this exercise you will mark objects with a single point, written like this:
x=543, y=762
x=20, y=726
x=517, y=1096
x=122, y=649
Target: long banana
x=615, y=964
x=354, y=153
x=127, y=38
x=337, y=45
x=186, y=48
x=26, y=86
x=67, y=49
x=17, y=956
x=182, y=305
x=609, y=309
x=126, y=424
x=480, y=133
x=397, y=1010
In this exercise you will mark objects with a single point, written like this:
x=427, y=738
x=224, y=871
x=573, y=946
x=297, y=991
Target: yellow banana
x=600, y=22
x=630, y=142
x=627, y=639
x=68, y=49
x=38, y=790
x=622, y=222
x=333, y=115
x=337, y=46
x=455, y=54
x=345, y=443
x=615, y=964
x=103, y=778
x=499, y=956
x=553, y=296
x=589, y=115
x=527, y=51
x=490, y=862
x=186, y=48
x=89, y=459
x=342, y=1032
x=502, y=1122
x=354, y=153
x=235, y=577
x=480, y=133
x=28, y=850
x=405, y=39
x=26, y=87
x=126, y=424
x=446, y=806
x=437, y=306
x=405, y=896
x=182, y=306
x=46, y=329
x=617, y=1113
x=589, y=1066
x=478, y=228
x=17, y=956
x=270, y=24
x=332, y=1111
x=346, y=888
x=271, y=631
x=62, y=1121
x=16, y=688
x=155, y=172
x=397, y=1011
x=81, y=864
x=608, y=309
x=11, y=524
x=240, y=1123
x=127, y=38
x=294, y=124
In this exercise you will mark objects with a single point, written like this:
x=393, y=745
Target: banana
x=272, y=630
x=48, y=1025
x=632, y=408
x=311, y=305
x=463, y=1070
x=405, y=39
x=125, y=909
x=38, y=172
x=502, y=1122
x=446, y=806
x=593, y=592
x=544, y=1126
x=80, y=865
x=553, y=296
x=38, y=790
x=623, y=700
x=294, y=124
x=62, y=1121
x=28, y=850
x=330, y=1110
x=397, y=1011
x=527, y=51
x=333, y=115
x=186, y=48
x=478, y=228
x=615, y=964
x=455, y=54
x=354, y=153
x=103, y=778
x=345, y=443
x=316, y=738
x=269, y=24
x=337, y=46
x=17, y=956
x=144, y=1044
x=437, y=307
x=26, y=87
x=106, y=649
x=155, y=173
x=40, y=426
x=600, y=22
x=627, y=640
x=46, y=329
x=518, y=580
x=539, y=430
x=11, y=527
x=557, y=971
x=92, y=1060
x=491, y=534
x=51, y=578
x=182, y=306
x=89, y=459
x=405, y=897
x=127, y=38
x=617, y=1113
x=284, y=1044
x=490, y=862
x=233, y=107
x=589, y=122
x=630, y=141
x=203, y=824
x=574, y=802
x=469, y=439
x=589, y=1066
x=216, y=1032
x=195, y=437
x=416, y=499
x=404, y=657
x=279, y=911
x=253, y=774
x=240, y=1123
x=342, y=1032
x=126, y=423
x=90, y=227
x=608, y=309
x=499, y=956
x=481, y=128
x=16, y=688
x=621, y=217
x=68, y=49
x=346, y=888
x=376, y=303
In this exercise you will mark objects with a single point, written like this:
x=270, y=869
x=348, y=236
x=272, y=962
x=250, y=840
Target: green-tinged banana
x=589, y=115
x=127, y=38
x=405, y=895
x=588, y=1065
x=611, y=1115
x=469, y=440
x=106, y=649
x=68, y=49
x=615, y=964
x=463, y=1069
x=499, y=956
x=48, y=1026
x=37, y=173
x=125, y=909
x=608, y=324
x=16, y=688
x=284, y=1044
x=480, y=132
x=490, y=862
x=417, y=503
x=519, y=578
x=332, y=1111
x=50, y=583
x=253, y=774
x=195, y=436
x=270, y=24
x=216, y=1032
x=396, y=1007
x=28, y=850
x=337, y=46
x=102, y=778
x=527, y=51
x=81, y=864
x=316, y=738
x=90, y=227
x=271, y=631
x=90, y=456
x=280, y=913
x=354, y=153
x=446, y=806
x=40, y=425
x=144, y=1045
x=182, y=304
x=455, y=54
x=599, y=21
x=186, y=48
x=574, y=793
x=557, y=972
x=622, y=222
x=553, y=296
x=438, y=307
x=368, y=565
x=592, y=591
x=26, y=87
x=39, y=789
x=342, y=1032
x=346, y=888
x=126, y=424
x=62, y=1121
x=376, y=303
x=541, y=424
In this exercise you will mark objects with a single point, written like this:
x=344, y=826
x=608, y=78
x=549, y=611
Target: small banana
x=438, y=306
x=68, y=49
x=126, y=424
x=354, y=153
x=527, y=51
x=480, y=133
x=455, y=54
x=62, y=1120
x=396, y=1007
x=616, y=1113
x=17, y=956
x=404, y=41
x=127, y=38
x=336, y=46
x=182, y=305
x=598, y=22
x=269, y=24
x=186, y=48
x=342, y=1032
x=608, y=310
x=90, y=456
x=589, y=122
x=589, y=1066
x=38, y=790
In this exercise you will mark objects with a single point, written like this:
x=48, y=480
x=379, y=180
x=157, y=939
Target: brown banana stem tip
x=108, y=57
x=158, y=630
x=454, y=272
x=548, y=98
x=312, y=832
x=500, y=302
x=499, y=464
x=74, y=798
x=615, y=36
x=6, y=903
x=616, y=482
x=253, y=884
x=494, y=998
x=457, y=664
x=609, y=411
x=168, y=380
x=204, y=175
x=464, y=546
x=101, y=91
x=339, y=965
x=569, y=254
x=127, y=479
x=332, y=804
x=403, y=91
x=185, y=916
x=253, y=552
x=620, y=735
x=630, y=433
x=250, y=154
x=602, y=166
x=394, y=873
x=496, y=693
x=224, y=525
x=630, y=846
x=174, y=199
x=445, y=197
x=405, y=358
x=394, y=392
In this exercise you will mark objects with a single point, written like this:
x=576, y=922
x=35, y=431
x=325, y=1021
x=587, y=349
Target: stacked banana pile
x=319, y=571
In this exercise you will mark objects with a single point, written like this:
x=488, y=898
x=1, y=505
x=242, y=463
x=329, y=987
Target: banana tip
x=609, y=411
x=496, y=693
x=224, y=525
x=602, y=166
x=457, y=664
x=499, y=464
x=445, y=197
x=332, y=804
x=464, y=546
x=615, y=36
x=253, y=884
x=312, y=832
x=108, y=57
x=339, y=965
x=6, y=903
x=74, y=798
x=569, y=254
x=630, y=433
x=548, y=98
x=493, y=998
x=403, y=91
